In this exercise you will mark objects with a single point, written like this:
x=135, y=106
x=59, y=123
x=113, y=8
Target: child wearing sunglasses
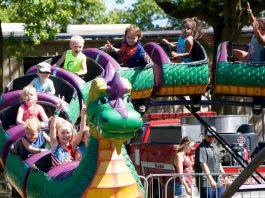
x=42, y=83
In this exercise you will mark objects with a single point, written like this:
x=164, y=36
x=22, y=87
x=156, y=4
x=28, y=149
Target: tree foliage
x=144, y=13
x=43, y=19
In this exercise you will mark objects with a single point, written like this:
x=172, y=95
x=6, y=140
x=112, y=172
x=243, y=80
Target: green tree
x=43, y=19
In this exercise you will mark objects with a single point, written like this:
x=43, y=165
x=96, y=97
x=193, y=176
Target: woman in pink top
x=30, y=108
x=182, y=165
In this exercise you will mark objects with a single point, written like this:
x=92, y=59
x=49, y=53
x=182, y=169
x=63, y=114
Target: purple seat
x=63, y=169
x=34, y=158
x=14, y=134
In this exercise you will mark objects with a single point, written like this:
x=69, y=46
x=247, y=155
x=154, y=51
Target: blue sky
x=111, y=4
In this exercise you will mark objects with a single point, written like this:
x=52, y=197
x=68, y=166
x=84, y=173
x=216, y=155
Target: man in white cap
x=42, y=83
x=207, y=160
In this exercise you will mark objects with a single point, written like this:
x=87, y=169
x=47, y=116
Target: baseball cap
x=44, y=67
x=206, y=131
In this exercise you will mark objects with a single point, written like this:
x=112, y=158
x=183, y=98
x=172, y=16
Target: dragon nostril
x=104, y=119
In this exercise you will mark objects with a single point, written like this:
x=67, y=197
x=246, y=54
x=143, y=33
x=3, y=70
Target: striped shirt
x=61, y=156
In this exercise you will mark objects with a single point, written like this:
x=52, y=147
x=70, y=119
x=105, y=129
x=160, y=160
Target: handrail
x=170, y=176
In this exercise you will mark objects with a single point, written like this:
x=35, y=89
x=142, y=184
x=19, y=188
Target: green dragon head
x=110, y=111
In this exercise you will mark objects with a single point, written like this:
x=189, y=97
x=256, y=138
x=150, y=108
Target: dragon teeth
x=99, y=130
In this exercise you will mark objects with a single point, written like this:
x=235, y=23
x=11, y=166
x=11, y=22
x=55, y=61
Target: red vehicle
x=154, y=146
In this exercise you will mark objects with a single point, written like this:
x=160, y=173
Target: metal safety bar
x=163, y=185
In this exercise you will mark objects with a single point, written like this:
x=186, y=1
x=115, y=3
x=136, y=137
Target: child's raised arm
x=109, y=47
x=46, y=137
x=79, y=135
x=256, y=30
x=53, y=129
x=254, y=22
x=251, y=17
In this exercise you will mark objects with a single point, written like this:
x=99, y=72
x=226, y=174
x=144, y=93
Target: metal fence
x=163, y=186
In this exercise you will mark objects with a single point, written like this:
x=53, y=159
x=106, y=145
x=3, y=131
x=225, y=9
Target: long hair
x=184, y=141
x=195, y=26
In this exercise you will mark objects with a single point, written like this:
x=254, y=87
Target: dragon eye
x=127, y=99
x=103, y=100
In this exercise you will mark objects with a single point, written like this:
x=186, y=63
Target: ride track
x=106, y=169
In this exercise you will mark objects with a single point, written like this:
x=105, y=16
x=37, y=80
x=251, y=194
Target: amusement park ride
x=106, y=169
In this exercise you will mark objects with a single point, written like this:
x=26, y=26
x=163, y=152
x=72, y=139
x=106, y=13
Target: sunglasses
x=191, y=146
x=44, y=72
x=186, y=28
x=209, y=136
